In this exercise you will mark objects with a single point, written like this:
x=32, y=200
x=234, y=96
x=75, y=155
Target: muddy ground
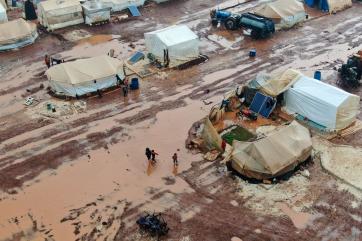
x=82, y=175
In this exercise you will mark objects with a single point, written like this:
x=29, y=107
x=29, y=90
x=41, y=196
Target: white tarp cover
x=55, y=14
x=286, y=13
x=182, y=44
x=119, y=5
x=281, y=151
x=77, y=77
x=3, y=15
x=322, y=103
x=3, y=3
x=17, y=33
x=338, y=5
x=275, y=84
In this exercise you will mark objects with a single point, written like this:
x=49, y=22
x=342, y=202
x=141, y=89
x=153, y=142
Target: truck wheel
x=214, y=23
x=255, y=34
x=230, y=24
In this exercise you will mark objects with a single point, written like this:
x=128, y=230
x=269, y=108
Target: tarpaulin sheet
x=134, y=11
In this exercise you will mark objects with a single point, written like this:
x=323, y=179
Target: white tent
x=3, y=15
x=85, y=75
x=281, y=151
x=285, y=13
x=16, y=34
x=119, y=5
x=3, y=3
x=179, y=41
x=322, y=103
x=55, y=14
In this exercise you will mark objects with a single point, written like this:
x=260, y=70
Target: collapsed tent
x=55, y=14
x=284, y=13
x=330, y=5
x=3, y=15
x=119, y=5
x=322, y=103
x=16, y=34
x=85, y=75
x=274, y=155
x=174, y=45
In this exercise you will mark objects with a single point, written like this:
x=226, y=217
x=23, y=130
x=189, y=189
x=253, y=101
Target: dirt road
x=83, y=176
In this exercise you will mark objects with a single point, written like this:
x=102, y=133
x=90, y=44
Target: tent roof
x=2, y=2
x=174, y=35
x=276, y=84
x=280, y=9
x=16, y=29
x=58, y=4
x=316, y=89
x=271, y=155
x=85, y=70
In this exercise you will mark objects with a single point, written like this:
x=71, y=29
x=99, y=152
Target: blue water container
x=318, y=75
x=134, y=84
x=252, y=53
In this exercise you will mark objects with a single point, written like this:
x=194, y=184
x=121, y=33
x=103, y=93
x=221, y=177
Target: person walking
x=175, y=161
x=148, y=153
x=154, y=156
x=47, y=61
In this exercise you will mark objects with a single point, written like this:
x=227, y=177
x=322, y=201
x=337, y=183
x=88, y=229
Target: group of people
x=151, y=156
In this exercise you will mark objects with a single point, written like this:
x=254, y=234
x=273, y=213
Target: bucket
x=318, y=75
x=134, y=84
x=252, y=53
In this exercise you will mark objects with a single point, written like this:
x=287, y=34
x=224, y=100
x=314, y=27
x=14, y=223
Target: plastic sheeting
x=17, y=33
x=181, y=43
x=55, y=14
x=119, y=5
x=285, y=13
x=338, y=5
x=212, y=139
x=279, y=152
x=321, y=103
x=96, y=12
x=3, y=15
x=275, y=84
x=77, y=78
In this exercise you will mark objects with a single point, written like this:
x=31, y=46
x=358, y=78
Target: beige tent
x=3, y=15
x=274, y=155
x=85, y=75
x=55, y=14
x=16, y=34
x=276, y=84
x=338, y=5
x=3, y=3
x=285, y=13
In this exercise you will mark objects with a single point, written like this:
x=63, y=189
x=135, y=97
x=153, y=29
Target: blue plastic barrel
x=318, y=75
x=134, y=84
x=252, y=53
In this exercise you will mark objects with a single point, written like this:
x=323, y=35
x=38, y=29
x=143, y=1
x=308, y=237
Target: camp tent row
x=85, y=76
x=329, y=107
x=16, y=34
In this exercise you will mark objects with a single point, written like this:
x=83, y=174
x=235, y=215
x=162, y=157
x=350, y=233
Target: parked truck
x=261, y=27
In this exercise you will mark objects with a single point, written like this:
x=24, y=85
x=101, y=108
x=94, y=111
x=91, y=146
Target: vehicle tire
x=214, y=23
x=230, y=24
x=255, y=34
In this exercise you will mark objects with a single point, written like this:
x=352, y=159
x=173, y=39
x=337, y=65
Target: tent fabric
x=279, y=152
x=55, y=14
x=77, y=78
x=119, y=5
x=3, y=3
x=16, y=34
x=3, y=15
x=212, y=139
x=276, y=84
x=95, y=12
x=181, y=43
x=285, y=13
x=338, y=5
x=322, y=103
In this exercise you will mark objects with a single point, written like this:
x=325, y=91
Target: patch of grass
x=237, y=133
